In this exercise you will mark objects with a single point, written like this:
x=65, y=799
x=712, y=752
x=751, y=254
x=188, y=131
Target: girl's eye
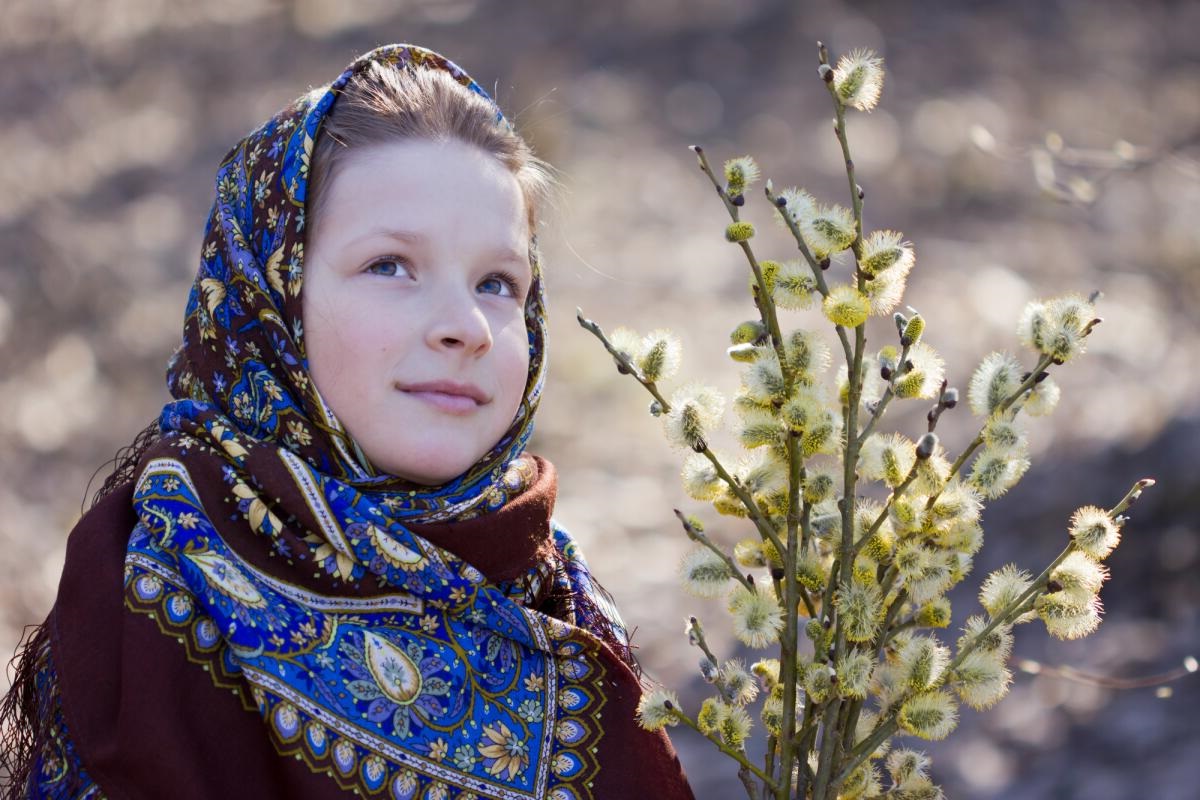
x=388, y=267
x=502, y=284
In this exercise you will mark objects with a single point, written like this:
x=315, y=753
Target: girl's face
x=414, y=300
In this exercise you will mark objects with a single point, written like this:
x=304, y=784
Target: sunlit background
x=1027, y=148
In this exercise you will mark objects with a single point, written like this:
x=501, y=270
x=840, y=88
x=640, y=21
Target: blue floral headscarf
x=240, y=374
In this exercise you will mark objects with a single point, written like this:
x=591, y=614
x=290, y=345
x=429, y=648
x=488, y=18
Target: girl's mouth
x=454, y=398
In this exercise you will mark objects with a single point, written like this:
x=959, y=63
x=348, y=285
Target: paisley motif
x=394, y=672
x=396, y=553
x=226, y=578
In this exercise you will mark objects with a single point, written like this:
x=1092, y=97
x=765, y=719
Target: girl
x=330, y=567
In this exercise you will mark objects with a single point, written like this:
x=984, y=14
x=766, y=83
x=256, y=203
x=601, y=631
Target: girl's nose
x=458, y=323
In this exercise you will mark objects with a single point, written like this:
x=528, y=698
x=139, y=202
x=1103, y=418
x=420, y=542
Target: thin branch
x=736, y=755
x=700, y=538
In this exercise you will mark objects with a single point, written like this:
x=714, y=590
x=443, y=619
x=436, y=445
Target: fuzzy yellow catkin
x=913, y=330
x=858, y=79
x=863, y=782
x=931, y=715
x=758, y=428
x=1002, y=435
x=767, y=671
x=748, y=332
x=660, y=356
x=772, y=714
x=994, y=472
x=884, y=251
x=806, y=354
x=821, y=437
x=627, y=342
x=704, y=573
x=1042, y=398
x=1094, y=532
x=735, y=726
x=854, y=674
x=701, y=480
x=757, y=617
x=934, y=614
x=861, y=608
x=1079, y=573
x=712, y=712
x=748, y=553
x=740, y=173
x=828, y=230
x=819, y=635
x=923, y=660
x=740, y=684
x=886, y=290
x=998, y=640
x=728, y=504
x=957, y=502
x=993, y=382
x=904, y=765
x=924, y=380
x=745, y=353
x=794, y=286
x=846, y=306
x=654, y=711
x=1055, y=328
x=769, y=271
x=811, y=571
x=1068, y=615
x=818, y=486
x=818, y=683
x=695, y=409
x=739, y=231
x=1002, y=588
x=981, y=680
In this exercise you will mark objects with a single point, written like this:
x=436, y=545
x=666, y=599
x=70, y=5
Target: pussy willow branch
x=696, y=536
x=1044, y=362
x=1039, y=583
x=1011, y=612
x=789, y=638
x=856, y=193
x=829, y=740
x=766, y=306
x=696, y=635
x=694, y=630
x=736, y=755
x=760, y=520
x=875, y=526
x=818, y=273
x=881, y=406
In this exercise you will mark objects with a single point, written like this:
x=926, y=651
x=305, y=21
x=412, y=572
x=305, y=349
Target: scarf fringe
x=581, y=610
x=25, y=717
x=125, y=463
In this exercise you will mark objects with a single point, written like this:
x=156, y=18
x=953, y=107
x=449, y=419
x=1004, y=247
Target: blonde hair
x=387, y=103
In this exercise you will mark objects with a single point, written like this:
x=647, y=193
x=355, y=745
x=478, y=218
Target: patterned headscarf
x=282, y=561
x=241, y=374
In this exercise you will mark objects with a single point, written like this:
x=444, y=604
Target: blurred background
x=1027, y=147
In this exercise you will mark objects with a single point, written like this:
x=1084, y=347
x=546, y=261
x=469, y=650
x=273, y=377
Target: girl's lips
x=443, y=401
x=454, y=398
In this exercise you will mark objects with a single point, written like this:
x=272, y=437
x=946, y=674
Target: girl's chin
x=432, y=471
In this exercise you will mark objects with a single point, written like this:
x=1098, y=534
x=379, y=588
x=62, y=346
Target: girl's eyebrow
x=408, y=237
x=417, y=239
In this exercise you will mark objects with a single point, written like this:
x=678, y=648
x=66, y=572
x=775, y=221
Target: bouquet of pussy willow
x=845, y=584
